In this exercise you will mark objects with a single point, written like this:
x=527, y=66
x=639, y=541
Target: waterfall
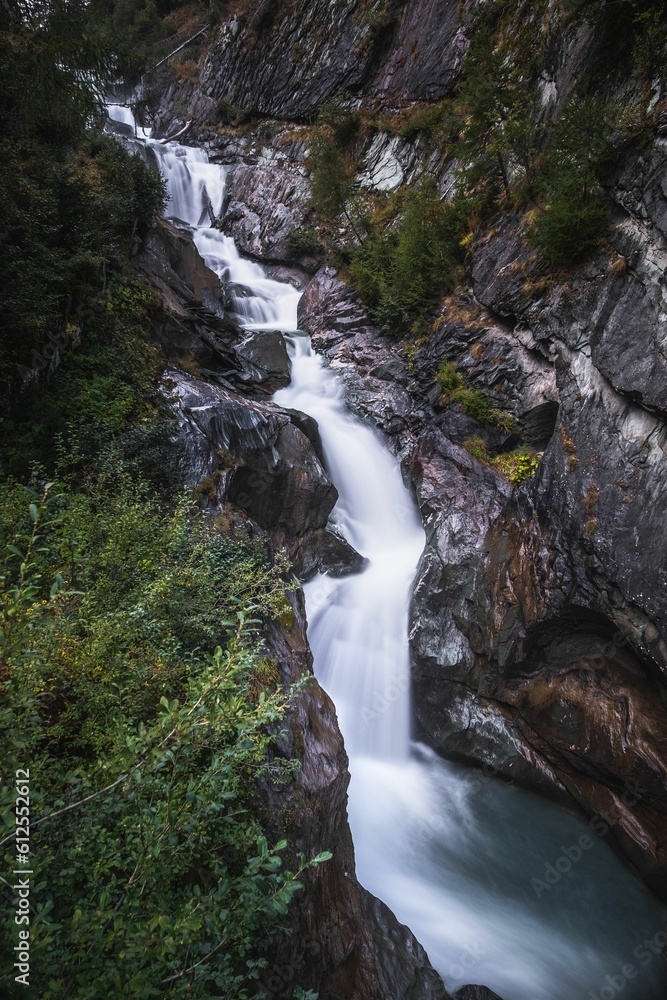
x=500, y=887
x=358, y=626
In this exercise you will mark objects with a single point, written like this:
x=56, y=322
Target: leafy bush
x=105, y=386
x=449, y=379
x=151, y=875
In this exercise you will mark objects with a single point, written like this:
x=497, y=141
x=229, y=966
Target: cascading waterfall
x=500, y=887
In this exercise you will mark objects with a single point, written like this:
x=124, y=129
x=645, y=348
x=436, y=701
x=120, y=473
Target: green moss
x=473, y=402
x=516, y=466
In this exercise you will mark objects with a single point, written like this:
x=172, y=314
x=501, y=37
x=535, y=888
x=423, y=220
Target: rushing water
x=501, y=887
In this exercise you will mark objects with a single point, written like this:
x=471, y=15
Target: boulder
x=255, y=457
x=263, y=355
x=267, y=208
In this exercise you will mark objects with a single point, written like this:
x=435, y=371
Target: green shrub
x=570, y=228
x=516, y=466
x=438, y=120
x=145, y=742
x=449, y=378
x=331, y=178
x=473, y=402
x=494, y=106
x=573, y=222
x=405, y=265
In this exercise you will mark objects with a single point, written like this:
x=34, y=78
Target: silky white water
x=458, y=856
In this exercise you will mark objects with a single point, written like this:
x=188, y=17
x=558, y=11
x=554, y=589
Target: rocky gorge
x=537, y=621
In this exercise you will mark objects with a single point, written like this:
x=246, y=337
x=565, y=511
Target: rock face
x=256, y=457
x=539, y=617
x=539, y=614
x=343, y=943
x=267, y=205
x=287, y=59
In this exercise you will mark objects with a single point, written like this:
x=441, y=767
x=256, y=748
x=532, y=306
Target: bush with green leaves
x=104, y=390
x=135, y=688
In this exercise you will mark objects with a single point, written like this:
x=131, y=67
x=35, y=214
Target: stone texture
x=266, y=206
x=265, y=355
x=475, y=993
x=287, y=59
x=274, y=473
x=328, y=552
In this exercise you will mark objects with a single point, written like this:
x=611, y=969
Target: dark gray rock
x=328, y=552
x=255, y=457
x=476, y=993
x=584, y=536
x=263, y=355
x=188, y=320
x=431, y=32
x=267, y=206
x=287, y=59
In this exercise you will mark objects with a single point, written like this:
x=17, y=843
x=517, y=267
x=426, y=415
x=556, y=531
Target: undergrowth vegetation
x=136, y=691
x=473, y=402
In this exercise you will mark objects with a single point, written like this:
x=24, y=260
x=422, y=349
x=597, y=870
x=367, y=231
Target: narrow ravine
x=500, y=887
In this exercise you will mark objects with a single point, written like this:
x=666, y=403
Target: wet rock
x=172, y=252
x=269, y=467
x=263, y=355
x=476, y=993
x=267, y=208
x=583, y=535
x=328, y=552
x=188, y=319
x=339, y=941
x=285, y=488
